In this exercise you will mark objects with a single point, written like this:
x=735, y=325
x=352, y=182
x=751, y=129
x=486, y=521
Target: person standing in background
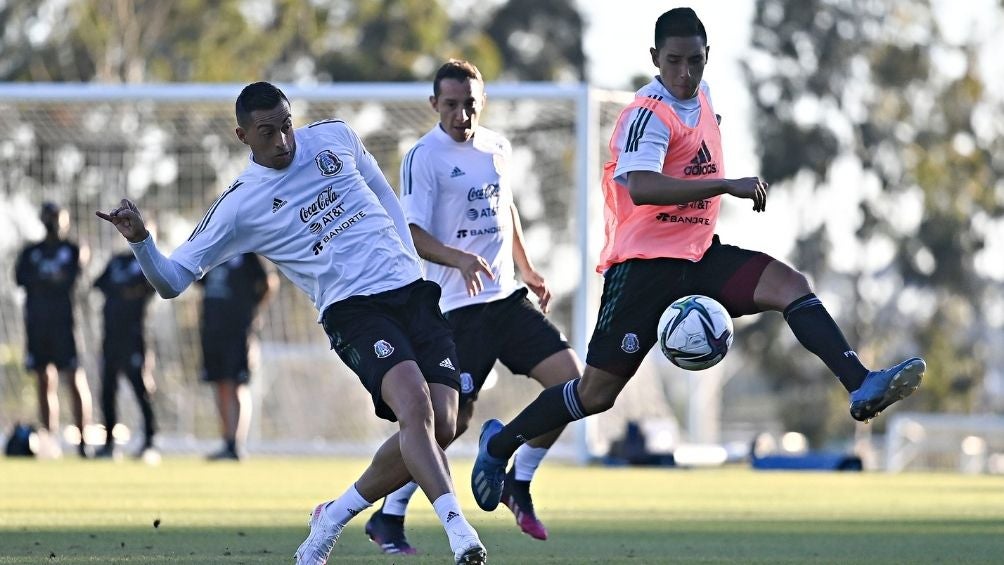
x=232, y=296
x=48, y=271
x=127, y=294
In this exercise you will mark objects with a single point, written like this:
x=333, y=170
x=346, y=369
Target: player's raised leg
x=782, y=288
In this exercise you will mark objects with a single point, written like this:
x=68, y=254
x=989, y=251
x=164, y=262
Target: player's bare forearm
x=535, y=281
x=127, y=220
x=472, y=267
x=652, y=188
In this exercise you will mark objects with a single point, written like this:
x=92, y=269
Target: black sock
x=817, y=332
x=555, y=407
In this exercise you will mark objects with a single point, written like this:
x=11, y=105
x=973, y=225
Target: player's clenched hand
x=538, y=285
x=752, y=188
x=127, y=219
x=472, y=267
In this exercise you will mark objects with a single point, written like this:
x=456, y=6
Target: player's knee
x=798, y=284
x=464, y=416
x=598, y=403
x=445, y=431
x=598, y=391
x=597, y=399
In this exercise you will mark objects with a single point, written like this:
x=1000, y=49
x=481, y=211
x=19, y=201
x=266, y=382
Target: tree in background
x=540, y=40
x=135, y=41
x=878, y=102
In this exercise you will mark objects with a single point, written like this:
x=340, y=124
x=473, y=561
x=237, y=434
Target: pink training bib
x=681, y=231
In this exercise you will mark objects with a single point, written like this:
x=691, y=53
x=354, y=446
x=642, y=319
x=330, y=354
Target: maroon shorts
x=637, y=291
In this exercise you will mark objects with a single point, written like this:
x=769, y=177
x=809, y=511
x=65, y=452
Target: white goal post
x=172, y=148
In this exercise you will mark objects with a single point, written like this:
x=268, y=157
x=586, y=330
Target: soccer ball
x=695, y=332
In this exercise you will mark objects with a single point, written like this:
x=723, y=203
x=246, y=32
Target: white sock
x=396, y=503
x=347, y=506
x=456, y=526
x=527, y=460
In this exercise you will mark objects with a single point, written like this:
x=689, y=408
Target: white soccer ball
x=695, y=332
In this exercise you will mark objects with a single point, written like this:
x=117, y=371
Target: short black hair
x=257, y=96
x=50, y=207
x=457, y=69
x=679, y=22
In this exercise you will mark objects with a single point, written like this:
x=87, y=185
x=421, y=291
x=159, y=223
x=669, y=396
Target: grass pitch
x=190, y=511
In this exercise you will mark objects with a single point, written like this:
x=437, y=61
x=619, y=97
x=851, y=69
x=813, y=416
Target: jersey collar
x=694, y=102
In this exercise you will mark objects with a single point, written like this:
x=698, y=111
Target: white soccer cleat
x=470, y=551
x=322, y=537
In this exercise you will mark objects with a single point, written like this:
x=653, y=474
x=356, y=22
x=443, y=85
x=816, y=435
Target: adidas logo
x=451, y=516
x=277, y=203
x=457, y=173
x=701, y=163
x=447, y=363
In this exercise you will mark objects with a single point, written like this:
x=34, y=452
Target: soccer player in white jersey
x=314, y=202
x=457, y=197
x=662, y=188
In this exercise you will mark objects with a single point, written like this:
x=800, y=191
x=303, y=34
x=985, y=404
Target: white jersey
x=318, y=220
x=461, y=194
x=644, y=145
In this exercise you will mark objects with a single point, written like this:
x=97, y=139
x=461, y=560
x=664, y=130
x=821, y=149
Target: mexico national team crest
x=328, y=162
x=466, y=383
x=630, y=343
x=382, y=349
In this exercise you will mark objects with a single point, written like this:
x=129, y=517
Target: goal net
x=172, y=149
x=968, y=443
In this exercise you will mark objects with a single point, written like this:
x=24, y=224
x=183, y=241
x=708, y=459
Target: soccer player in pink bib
x=662, y=189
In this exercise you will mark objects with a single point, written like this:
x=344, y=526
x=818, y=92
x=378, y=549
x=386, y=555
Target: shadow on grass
x=634, y=542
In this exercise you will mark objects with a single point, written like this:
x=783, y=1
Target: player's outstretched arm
x=168, y=277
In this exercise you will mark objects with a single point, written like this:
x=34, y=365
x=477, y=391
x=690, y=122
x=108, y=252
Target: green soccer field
x=75, y=511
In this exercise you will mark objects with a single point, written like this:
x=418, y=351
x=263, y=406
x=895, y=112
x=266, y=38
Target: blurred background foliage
x=134, y=41
x=882, y=96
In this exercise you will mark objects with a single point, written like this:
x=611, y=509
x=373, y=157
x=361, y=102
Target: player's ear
x=655, y=56
x=241, y=135
x=432, y=102
x=707, y=51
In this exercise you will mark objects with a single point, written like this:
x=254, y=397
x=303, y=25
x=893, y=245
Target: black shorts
x=372, y=334
x=510, y=330
x=119, y=359
x=225, y=356
x=637, y=291
x=50, y=343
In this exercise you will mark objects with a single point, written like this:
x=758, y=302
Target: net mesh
x=174, y=157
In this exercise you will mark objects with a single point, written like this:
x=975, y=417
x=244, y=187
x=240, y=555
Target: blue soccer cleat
x=488, y=474
x=882, y=388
